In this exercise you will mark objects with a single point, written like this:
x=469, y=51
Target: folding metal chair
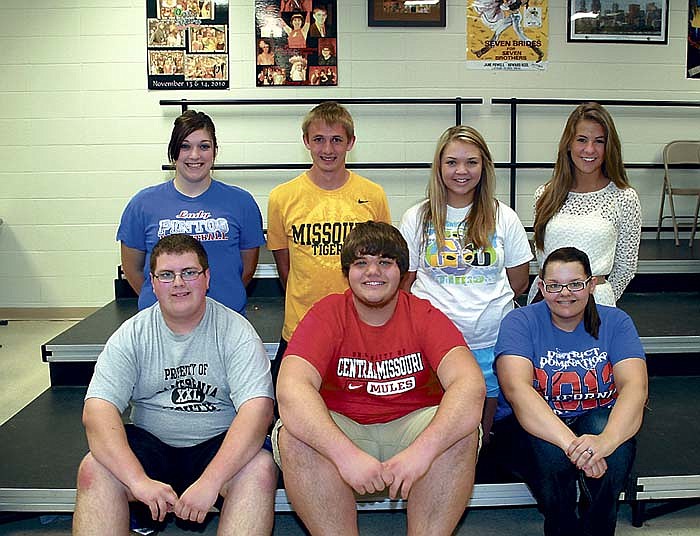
x=675, y=153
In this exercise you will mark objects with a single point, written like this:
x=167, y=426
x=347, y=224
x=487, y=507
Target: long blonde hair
x=481, y=221
x=558, y=187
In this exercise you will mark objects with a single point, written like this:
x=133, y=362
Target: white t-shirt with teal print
x=470, y=286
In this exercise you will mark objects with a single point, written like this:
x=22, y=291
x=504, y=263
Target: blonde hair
x=558, y=187
x=480, y=223
x=330, y=113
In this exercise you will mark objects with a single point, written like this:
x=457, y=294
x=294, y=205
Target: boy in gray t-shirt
x=198, y=381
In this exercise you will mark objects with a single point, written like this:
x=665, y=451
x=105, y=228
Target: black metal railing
x=514, y=165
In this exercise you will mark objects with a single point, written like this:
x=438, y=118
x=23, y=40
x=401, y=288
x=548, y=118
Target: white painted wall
x=80, y=134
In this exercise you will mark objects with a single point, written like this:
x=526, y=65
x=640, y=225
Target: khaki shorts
x=382, y=440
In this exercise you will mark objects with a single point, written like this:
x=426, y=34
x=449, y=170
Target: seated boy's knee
x=474, y=439
x=265, y=469
x=467, y=446
x=90, y=471
x=260, y=471
x=289, y=446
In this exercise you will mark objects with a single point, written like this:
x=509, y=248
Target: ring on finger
x=589, y=451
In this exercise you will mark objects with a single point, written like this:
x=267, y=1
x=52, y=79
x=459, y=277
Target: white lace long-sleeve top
x=607, y=226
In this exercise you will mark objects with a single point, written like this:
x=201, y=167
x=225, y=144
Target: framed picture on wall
x=406, y=13
x=619, y=21
x=296, y=43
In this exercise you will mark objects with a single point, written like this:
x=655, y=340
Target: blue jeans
x=552, y=478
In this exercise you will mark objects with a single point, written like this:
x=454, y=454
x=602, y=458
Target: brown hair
x=562, y=181
x=591, y=319
x=481, y=221
x=374, y=238
x=189, y=122
x=179, y=244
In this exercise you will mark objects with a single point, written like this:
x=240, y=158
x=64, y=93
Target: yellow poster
x=507, y=35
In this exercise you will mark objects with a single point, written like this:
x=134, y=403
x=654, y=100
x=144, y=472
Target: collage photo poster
x=507, y=35
x=296, y=43
x=187, y=44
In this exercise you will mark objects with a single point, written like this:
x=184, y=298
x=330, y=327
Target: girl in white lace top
x=588, y=203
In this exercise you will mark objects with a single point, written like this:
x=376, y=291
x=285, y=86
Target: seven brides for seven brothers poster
x=507, y=35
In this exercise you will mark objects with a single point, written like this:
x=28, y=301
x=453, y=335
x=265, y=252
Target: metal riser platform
x=41, y=448
x=668, y=323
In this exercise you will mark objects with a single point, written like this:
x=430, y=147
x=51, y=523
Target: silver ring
x=589, y=451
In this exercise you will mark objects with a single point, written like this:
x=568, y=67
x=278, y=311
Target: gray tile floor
x=24, y=376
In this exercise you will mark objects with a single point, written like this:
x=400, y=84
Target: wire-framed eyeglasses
x=574, y=286
x=188, y=274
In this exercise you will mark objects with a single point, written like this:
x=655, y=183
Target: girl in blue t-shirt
x=575, y=376
x=224, y=218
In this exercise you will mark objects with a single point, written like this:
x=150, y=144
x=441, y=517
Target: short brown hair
x=179, y=244
x=189, y=122
x=374, y=238
x=330, y=113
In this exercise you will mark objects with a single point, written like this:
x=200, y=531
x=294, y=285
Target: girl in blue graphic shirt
x=575, y=376
x=225, y=218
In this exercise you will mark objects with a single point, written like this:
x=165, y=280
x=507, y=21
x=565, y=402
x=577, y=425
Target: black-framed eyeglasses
x=189, y=274
x=574, y=286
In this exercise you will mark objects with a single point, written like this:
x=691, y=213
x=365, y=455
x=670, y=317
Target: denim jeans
x=552, y=478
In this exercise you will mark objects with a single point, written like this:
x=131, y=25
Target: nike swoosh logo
x=355, y=386
x=362, y=201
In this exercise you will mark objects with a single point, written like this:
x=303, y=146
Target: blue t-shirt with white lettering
x=572, y=371
x=225, y=219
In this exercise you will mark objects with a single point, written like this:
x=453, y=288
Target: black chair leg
x=638, y=512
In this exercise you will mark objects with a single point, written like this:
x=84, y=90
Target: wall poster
x=623, y=21
x=399, y=13
x=693, y=54
x=188, y=44
x=296, y=43
x=507, y=35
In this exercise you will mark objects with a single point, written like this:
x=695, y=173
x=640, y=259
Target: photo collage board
x=187, y=44
x=296, y=43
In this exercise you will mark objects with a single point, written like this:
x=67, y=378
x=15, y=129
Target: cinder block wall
x=80, y=134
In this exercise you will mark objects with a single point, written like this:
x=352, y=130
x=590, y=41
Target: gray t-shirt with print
x=184, y=389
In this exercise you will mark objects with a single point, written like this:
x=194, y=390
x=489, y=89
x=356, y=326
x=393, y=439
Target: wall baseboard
x=45, y=313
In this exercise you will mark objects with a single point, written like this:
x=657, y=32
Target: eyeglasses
x=574, y=286
x=189, y=274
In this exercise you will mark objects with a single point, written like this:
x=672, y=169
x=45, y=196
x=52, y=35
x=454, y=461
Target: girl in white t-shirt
x=469, y=253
